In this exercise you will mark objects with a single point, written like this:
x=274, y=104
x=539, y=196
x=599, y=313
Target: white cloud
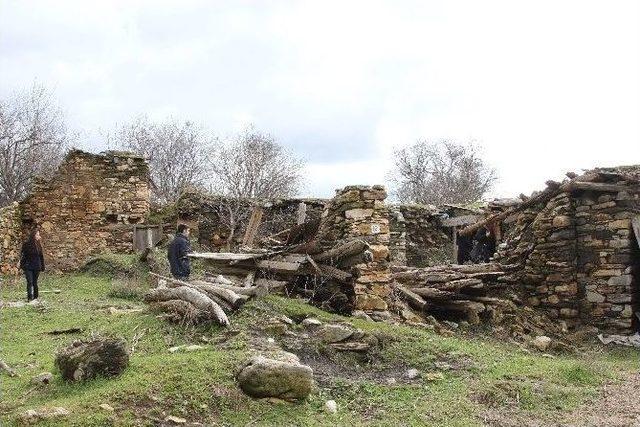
x=544, y=86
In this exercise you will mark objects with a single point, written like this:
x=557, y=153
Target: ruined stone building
x=89, y=206
x=576, y=252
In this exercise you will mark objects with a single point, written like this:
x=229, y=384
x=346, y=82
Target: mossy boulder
x=263, y=377
x=96, y=357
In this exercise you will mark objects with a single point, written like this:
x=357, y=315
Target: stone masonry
x=359, y=212
x=10, y=238
x=578, y=255
x=89, y=206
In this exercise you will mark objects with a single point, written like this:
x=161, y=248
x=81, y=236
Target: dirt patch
x=616, y=406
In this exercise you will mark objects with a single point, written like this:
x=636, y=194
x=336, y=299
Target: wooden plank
x=301, y=214
x=635, y=224
x=279, y=266
x=252, y=227
x=335, y=273
x=458, y=221
x=224, y=256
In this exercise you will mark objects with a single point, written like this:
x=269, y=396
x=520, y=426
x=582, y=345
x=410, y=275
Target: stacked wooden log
x=454, y=292
x=323, y=275
x=233, y=278
x=198, y=301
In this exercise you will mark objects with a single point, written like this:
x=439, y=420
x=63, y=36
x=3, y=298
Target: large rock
x=83, y=360
x=262, y=377
x=335, y=333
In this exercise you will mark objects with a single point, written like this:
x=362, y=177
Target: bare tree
x=33, y=139
x=178, y=153
x=254, y=165
x=441, y=172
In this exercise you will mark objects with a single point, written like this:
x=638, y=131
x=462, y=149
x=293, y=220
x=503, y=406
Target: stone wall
x=10, y=238
x=606, y=257
x=89, y=206
x=211, y=217
x=359, y=212
x=418, y=238
x=577, y=254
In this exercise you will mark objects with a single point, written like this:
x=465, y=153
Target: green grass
x=200, y=386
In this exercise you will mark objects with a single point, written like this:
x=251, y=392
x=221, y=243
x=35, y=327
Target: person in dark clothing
x=32, y=263
x=177, y=253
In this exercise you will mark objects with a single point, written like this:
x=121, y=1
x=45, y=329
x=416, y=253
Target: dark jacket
x=177, y=254
x=31, y=257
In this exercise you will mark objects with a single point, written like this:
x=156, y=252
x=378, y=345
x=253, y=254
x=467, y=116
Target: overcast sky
x=543, y=86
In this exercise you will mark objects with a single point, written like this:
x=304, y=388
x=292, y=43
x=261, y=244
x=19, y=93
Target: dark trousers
x=32, y=283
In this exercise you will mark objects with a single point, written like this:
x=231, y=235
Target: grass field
x=474, y=376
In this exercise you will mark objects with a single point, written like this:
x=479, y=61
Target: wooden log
x=8, y=369
x=342, y=251
x=414, y=300
x=178, y=310
x=364, y=257
x=282, y=267
x=248, y=281
x=226, y=256
x=271, y=285
x=190, y=294
x=600, y=187
x=436, y=294
x=334, y=273
x=233, y=299
x=459, y=285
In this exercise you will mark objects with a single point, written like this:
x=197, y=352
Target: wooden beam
x=252, y=227
x=225, y=256
x=458, y=221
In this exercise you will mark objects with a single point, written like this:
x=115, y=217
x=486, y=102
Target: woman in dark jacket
x=32, y=262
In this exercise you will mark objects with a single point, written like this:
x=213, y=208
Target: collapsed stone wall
x=89, y=206
x=575, y=256
x=212, y=218
x=10, y=238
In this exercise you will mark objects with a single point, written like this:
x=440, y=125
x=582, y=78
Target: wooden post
x=252, y=227
x=302, y=213
x=454, y=238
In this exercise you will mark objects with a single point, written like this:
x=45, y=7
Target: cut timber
x=342, y=251
x=334, y=273
x=225, y=256
x=200, y=301
x=252, y=227
x=179, y=310
x=436, y=294
x=421, y=277
x=227, y=295
x=248, y=281
x=460, y=220
x=279, y=266
x=8, y=369
x=599, y=186
x=414, y=300
x=271, y=285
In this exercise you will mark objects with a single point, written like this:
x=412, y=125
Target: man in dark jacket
x=177, y=253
